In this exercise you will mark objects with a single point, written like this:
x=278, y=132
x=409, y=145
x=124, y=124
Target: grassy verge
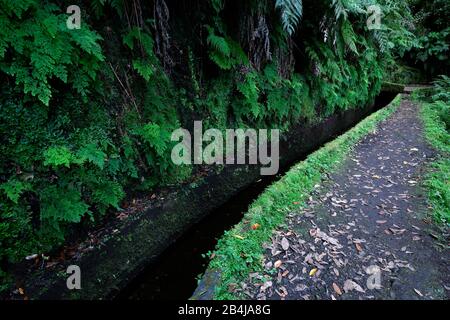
x=437, y=181
x=239, y=251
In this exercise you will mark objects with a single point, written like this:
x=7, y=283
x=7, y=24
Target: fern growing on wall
x=77, y=134
x=224, y=51
x=45, y=49
x=146, y=65
x=291, y=14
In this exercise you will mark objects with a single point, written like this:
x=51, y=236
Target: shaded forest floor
x=366, y=232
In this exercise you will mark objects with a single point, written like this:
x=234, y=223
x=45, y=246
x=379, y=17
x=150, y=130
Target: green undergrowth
x=434, y=113
x=239, y=251
x=87, y=115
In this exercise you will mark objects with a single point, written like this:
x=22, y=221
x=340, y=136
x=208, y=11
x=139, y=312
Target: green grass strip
x=239, y=252
x=437, y=180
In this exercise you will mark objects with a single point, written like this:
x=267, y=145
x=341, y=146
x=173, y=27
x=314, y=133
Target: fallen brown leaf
x=285, y=244
x=337, y=289
x=350, y=285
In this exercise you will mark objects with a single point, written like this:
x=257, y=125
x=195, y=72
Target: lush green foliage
x=68, y=149
x=435, y=112
x=439, y=99
x=224, y=51
x=86, y=115
x=240, y=250
x=438, y=187
x=50, y=157
x=36, y=46
x=430, y=49
x=291, y=13
x=433, y=51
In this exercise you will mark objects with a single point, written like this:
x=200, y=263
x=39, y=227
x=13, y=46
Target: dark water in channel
x=173, y=275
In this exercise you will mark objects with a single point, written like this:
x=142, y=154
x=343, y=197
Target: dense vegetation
x=279, y=200
x=86, y=114
x=435, y=113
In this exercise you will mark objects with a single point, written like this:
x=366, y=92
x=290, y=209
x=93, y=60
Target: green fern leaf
x=144, y=68
x=218, y=43
x=58, y=156
x=91, y=154
x=349, y=36
x=62, y=205
x=291, y=14
x=14, y=188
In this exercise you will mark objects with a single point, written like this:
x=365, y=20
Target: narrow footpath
x=366, y=232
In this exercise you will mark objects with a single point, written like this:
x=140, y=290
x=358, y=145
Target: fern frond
x=349, y=36
x=357, y=6
x=381, y=40
x=218, y=43
x=224, y=51
x=291, y=14
x=340, y=11
x=97, y=6
x=217, y=5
